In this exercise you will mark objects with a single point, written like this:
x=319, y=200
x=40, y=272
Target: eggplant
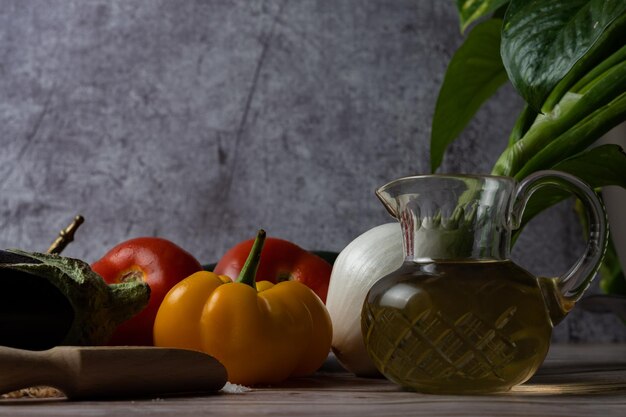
x=48, y=300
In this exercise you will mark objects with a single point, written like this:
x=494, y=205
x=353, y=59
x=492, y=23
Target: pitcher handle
x=565, y=290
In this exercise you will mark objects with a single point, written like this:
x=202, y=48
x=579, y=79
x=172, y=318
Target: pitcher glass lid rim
x=450, y=176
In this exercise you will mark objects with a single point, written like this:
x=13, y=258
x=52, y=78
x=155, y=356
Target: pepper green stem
x=248, y=272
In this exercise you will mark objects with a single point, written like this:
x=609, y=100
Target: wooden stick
x=66, y=235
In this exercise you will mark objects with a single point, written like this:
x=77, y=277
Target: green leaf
x=474, y=74
x=598, y=167
x=472, y=10
x=542, y=40
x=608, y=50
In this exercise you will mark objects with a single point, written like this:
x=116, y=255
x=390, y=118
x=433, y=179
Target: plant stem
x=607, y=64
x=248, y=272
x=578, y=138
x=572, y=109
x=522, y=124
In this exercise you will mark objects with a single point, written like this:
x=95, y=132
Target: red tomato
x=161, y=264
x=281, y=260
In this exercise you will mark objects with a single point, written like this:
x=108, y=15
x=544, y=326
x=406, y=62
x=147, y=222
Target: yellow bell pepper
x=262, y=333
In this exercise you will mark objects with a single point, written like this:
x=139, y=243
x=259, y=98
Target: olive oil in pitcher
x=457, y=326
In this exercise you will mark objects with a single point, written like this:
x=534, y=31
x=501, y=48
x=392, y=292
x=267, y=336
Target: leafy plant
x=567, y=59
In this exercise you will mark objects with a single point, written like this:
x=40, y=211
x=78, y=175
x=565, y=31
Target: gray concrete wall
x=201, y=121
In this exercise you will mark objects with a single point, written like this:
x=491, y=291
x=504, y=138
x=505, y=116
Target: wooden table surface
x=575, y=380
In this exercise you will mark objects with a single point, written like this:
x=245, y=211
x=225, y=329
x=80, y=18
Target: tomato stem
x=248, y=272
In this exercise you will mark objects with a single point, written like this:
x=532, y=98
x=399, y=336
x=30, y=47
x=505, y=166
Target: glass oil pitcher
x=458, y=316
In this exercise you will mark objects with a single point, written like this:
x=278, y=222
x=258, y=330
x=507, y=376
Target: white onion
x=364, y=261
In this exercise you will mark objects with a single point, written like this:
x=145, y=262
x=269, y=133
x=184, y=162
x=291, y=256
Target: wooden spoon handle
x=23, y=369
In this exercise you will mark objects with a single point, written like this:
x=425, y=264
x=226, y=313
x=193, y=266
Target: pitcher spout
x=388, y=200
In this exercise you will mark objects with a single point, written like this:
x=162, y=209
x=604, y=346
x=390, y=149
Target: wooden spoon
x=111, y=372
